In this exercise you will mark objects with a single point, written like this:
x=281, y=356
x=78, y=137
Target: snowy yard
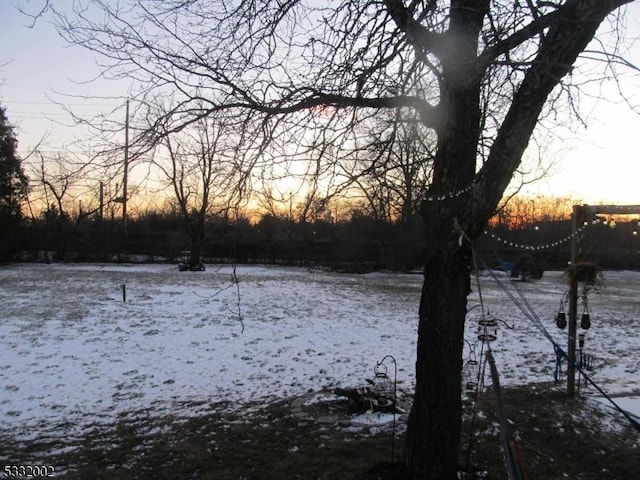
x=75, y=354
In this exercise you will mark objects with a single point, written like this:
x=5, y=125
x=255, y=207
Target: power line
x=60, y=104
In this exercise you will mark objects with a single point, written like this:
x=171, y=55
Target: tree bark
x=433, y=434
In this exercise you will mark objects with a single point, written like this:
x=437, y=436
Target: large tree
x=13, y=184
x=479, y=75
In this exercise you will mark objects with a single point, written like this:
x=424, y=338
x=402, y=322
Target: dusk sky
x=598, y=165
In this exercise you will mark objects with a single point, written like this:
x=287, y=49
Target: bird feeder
x=384, y=386
x=470, y=377
x=585, y=320
x=561, y=319
x=487, y=329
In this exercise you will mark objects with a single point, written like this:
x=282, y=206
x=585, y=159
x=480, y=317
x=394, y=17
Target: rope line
x=481, y=369
x=514, y=469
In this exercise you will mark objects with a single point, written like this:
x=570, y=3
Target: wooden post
x=577, y=219
x=573, y=327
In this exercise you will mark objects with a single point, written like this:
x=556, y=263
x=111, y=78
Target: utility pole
x=126, y=171
x=101, y=210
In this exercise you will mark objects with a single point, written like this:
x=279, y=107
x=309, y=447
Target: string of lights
x=530, y=247
x=449, y=195
x=611, y=223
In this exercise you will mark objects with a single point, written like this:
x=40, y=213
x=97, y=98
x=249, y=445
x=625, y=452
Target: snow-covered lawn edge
x=76, y=354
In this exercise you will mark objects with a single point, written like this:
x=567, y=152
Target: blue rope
x=514, y=471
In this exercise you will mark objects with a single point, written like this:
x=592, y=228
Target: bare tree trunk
x=433, y=434
x=195, y=258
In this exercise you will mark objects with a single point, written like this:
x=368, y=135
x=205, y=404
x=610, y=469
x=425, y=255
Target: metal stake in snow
x=124, y=292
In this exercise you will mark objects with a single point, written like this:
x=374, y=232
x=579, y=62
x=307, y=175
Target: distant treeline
x=360, y=243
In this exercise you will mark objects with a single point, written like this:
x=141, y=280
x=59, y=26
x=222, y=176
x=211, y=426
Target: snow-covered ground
x=75, y=354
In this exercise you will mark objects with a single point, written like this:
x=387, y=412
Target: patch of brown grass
x=558, y=438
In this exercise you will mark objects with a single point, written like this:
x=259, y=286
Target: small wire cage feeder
x=384, y=387
x=470, y=377
x=487, y=329
x=470, y=372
